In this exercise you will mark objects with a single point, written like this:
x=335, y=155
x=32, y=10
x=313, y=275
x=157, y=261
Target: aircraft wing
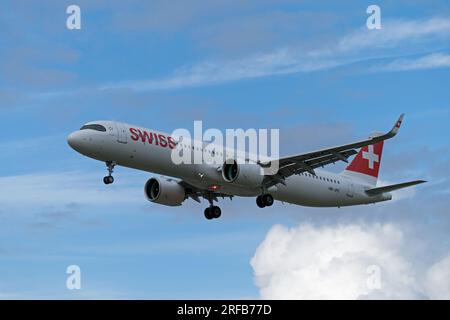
x=307, y=162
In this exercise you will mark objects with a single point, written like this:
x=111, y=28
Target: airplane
x=298, y=179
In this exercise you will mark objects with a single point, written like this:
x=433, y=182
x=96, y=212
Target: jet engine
x=164, y=191
x=246, y=174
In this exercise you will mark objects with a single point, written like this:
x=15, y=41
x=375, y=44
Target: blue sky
x=310, y=68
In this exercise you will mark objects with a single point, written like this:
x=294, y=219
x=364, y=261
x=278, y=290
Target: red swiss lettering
x=172, y=143
x=162, y=140
x=134, y=134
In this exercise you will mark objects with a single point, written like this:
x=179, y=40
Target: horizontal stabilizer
x=379, y=190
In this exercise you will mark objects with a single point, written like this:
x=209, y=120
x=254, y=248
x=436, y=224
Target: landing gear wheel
x=212, y=212
x=267, y=199
x=108, y=179
x=215, y=212
x=264, y=200
x=260, y=202
x=208, y=214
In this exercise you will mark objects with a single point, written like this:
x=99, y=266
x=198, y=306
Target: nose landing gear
x=264, y=200
x=109, y=178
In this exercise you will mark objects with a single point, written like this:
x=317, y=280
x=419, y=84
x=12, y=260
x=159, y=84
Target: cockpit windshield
x=96, y=127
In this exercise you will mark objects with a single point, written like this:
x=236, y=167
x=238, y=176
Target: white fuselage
x=152, y=153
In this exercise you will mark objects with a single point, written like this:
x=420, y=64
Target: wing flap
x=295, y=167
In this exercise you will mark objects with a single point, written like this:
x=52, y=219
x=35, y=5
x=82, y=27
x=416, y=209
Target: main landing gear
x=264, y=200
x=109, y=178
x=212, y=212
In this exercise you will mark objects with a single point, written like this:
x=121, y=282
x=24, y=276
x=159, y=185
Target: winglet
x=397, y=125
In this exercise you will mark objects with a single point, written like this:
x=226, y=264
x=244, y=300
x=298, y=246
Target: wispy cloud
x=62, y=188
x=397, y=34
x=397, y=38
x=282, y=61
x=431, y=61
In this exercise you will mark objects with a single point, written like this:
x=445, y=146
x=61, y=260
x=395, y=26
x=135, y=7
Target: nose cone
x=74, y=140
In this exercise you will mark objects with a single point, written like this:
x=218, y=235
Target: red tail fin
x=366, y=165
x=368, y=160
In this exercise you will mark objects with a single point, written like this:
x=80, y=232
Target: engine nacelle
x=246, y=174
x=163, y=191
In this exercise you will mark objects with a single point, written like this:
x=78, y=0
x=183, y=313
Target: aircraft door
x=121, y=133
x=349, y=190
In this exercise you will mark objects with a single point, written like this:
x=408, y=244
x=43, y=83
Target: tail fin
x=366, y=165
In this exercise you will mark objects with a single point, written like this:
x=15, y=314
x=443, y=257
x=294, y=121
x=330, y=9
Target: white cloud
x=431, y=61
x=396, y=33
x=308, y=262
x=437, y=280
x=396, y=38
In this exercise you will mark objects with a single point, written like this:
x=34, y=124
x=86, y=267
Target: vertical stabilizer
x=366, y=165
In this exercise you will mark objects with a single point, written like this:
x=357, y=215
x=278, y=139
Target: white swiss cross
x=370, y=156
